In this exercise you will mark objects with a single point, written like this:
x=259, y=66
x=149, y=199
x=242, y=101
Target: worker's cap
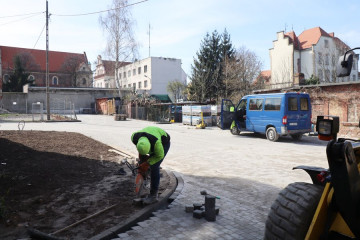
x=143, y=146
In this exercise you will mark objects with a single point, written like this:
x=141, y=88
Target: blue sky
x=177, y=27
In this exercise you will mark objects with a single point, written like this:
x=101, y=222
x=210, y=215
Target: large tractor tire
x=291, y=213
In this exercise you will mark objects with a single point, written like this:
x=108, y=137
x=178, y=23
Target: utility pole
x=149, y=39
x=47, y=64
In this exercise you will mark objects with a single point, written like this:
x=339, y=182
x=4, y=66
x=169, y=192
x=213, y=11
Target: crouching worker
x=152, y=143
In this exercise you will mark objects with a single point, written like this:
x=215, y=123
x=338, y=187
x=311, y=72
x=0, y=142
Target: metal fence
x=155, y=113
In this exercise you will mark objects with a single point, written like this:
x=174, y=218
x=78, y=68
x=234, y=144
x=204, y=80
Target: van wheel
x=291, y=214
x=271, y=134
x=297, y=136
x=235, y=131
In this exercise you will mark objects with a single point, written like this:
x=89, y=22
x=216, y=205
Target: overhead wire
x=18, y=20
x=40, y=35
x=20, y=15
x=90, y=13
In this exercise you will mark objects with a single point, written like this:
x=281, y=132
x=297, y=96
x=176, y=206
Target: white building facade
x=151, y=75
x=314, y=53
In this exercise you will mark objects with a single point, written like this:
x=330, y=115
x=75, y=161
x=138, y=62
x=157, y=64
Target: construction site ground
x=50, y=180
x=245, y=171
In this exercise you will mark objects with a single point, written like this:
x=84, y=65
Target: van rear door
x=298, y=112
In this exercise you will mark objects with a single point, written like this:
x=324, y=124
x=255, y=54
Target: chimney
x=332, y=34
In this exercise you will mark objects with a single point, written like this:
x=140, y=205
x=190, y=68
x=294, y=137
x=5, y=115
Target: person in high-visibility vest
x=152, y=143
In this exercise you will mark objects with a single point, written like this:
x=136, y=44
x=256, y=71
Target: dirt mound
x=49, y=180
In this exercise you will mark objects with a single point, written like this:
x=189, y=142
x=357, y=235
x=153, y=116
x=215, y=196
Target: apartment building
x=151, y=75
x=314, y=53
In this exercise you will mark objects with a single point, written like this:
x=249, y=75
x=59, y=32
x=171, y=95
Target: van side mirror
x=344, y=65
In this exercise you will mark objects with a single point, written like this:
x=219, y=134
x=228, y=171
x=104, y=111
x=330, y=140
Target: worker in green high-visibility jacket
x=152, y=143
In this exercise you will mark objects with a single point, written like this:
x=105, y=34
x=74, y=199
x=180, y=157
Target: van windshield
x=293, y=104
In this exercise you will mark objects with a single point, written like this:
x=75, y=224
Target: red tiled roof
x=56, y=59
x=110, y=66
x=293, y=39
x=311, y=36
x=266, y=74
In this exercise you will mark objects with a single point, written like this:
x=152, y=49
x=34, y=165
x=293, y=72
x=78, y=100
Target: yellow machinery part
x=318, y=223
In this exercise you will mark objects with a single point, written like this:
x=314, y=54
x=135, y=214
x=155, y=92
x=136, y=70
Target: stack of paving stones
x=207, y=209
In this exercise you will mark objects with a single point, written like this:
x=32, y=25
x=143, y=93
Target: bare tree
x=71, y=67
x=118, y=25
x=240, y=71
x=176, y=88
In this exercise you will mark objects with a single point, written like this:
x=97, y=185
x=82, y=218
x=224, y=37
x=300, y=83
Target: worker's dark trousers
x=155, y=171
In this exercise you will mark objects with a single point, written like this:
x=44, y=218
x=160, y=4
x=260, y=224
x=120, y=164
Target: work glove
x=143, y=167
x=143, y=158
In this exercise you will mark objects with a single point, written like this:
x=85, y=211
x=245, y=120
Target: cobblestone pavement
x=245, y=171
x=243, y=208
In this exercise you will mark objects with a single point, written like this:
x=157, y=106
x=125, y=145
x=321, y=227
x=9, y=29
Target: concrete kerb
x=147, y=211
x=179, y=188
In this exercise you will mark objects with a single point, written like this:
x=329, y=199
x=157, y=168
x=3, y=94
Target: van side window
x=293, y=104
x=256, y=104
x=304, y=104
x=272, y=104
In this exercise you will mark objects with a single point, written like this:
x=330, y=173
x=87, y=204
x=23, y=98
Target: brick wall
x=341, y=100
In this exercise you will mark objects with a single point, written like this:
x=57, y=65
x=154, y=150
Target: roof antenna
x=285, y=26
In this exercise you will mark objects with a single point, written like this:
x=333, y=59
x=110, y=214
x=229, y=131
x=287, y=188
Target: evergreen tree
x=18, y=79
x=207, y=70
x=227, y=57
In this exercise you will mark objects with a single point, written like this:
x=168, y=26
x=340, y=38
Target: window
x=327, y=59
x=129, y=85
x=293, y=103
x=6, y=78
x=124, y=86
x=327, y=75
x=55, y=80
x=304, y=104
x=326, y=43
x=353, y=77
x=129, y=73
x=84, y=81
x=134, y=86
x=119, y=75
x=354, y=65
x=134, y=72
x=139, y=70
x=256, y=104
x=139, y=85
x=272, y=104
x=320, y=58
x=124, y=73
x=320, y=75
x=145, y=84
x=145, y=68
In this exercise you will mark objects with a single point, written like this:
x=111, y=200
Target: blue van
x=275, y=114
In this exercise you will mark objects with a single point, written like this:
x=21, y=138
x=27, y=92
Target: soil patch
x=49, y=180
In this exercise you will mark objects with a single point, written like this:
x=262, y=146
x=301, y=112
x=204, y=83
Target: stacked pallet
x=191, y=115
x=120, y=117
x=215, y=114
